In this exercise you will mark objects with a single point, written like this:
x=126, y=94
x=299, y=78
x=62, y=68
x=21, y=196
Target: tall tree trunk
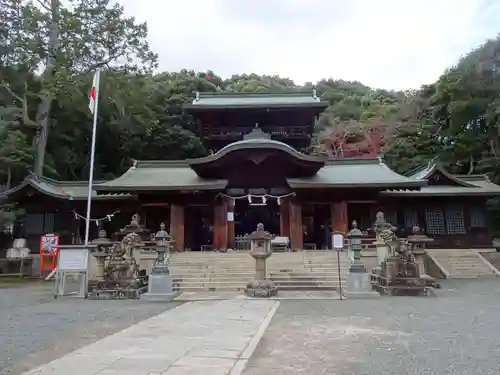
x=44, y=108
x=9, y=178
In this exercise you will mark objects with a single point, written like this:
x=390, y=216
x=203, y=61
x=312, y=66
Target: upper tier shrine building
x=257, y=173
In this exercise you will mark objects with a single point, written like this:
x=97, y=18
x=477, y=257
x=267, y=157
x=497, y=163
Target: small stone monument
x=260, y=250
x=160, y=281
x=358, y=282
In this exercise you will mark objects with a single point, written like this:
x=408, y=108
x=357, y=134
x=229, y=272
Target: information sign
x=337, y=241
x=49, y=244
x=73, y=259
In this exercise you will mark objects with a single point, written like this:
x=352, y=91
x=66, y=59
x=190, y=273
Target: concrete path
x=207, y=337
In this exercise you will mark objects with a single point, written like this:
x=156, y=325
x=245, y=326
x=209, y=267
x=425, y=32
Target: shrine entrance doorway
x=247, y=216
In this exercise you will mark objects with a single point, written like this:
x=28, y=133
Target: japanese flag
x=94, y=90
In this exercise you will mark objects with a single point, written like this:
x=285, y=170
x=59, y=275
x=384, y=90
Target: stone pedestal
x=359, y=286
x=160, y=281
x=97, y=264
x=160, y=288
x=382, y=251
x=359, y=283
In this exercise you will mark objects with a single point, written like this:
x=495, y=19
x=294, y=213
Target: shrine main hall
x=258, y=172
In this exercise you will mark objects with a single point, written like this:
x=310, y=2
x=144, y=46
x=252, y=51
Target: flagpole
x=92, y=156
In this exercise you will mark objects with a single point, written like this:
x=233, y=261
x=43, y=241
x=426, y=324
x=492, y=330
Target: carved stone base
x=359, y=286
x=261, y=288
x=159, y=288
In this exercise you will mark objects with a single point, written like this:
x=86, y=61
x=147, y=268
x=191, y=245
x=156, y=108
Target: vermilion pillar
x=177, y=225
x=339, y=217
x=220, y=225
x=296, y=231
x=285, y=218
x=230, y=224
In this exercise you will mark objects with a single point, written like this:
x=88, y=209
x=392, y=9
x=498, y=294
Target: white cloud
x=383, y=43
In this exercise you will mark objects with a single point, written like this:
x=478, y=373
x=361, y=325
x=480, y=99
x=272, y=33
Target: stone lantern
x=355, y=246
x=359, y=281
x=260, y=250
x=97, y=262
x=162, y=241
x=160, y=286
x=418, y=242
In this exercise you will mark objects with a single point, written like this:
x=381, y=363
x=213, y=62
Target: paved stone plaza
x=35, y=329
x=455, y=333
x=207, y=337
x=452, y=334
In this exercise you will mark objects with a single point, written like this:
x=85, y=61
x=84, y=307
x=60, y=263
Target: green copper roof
x=70, y=190
x=248, y=100
x=466, y=185
x=427, y=171
x=342, y=173
x=161, y=175
x=355, y=172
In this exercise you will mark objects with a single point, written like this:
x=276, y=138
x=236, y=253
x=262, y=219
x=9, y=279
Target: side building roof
x=462, y=185
x=68, y=190
x=356, y=172
x=161, y=175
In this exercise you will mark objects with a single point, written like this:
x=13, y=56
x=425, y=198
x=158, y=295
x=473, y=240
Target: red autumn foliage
x=347, y=140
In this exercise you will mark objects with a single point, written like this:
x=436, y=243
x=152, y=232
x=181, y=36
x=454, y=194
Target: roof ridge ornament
x=257, y=133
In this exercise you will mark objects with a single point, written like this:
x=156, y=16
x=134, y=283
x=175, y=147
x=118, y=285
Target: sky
x=390, y=44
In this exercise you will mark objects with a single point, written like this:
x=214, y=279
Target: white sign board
x=73, y=259
x=230, y=216
x=337, y=241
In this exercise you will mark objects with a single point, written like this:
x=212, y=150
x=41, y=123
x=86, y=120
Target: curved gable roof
x=256, y=144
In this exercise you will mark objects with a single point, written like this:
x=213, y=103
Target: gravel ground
x=454, y=333
x=35, y=328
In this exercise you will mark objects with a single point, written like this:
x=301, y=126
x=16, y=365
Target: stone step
x=462, y=263
x=251, y=276
x=241, y=288
x=231, y=280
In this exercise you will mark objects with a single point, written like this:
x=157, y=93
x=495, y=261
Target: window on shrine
x=434, y=220
x=411, y=218
x=455, y=223
x=39, y=223
x=477, y=217
x=34, y=223
x=48, y=222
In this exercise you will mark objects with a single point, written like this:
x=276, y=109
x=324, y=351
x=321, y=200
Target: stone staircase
x=212, y=271
x=462, y=263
